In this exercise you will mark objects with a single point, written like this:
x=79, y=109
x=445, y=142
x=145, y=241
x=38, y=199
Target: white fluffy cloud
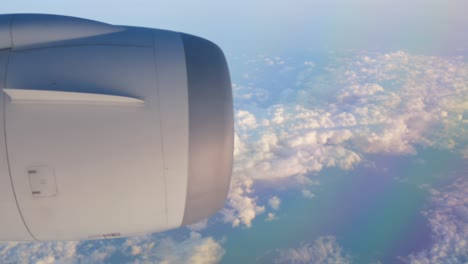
x=270, y=217
x=274, y=202
x=417, y=104
x=448, y=220
x=359, y=92
x=324, y=250
x=47, y=252
x=374, y=103
x=242, y=208
x=307, y=194
x=245, y=120
x=195, y=249
x=198, y=226
x=141, y=249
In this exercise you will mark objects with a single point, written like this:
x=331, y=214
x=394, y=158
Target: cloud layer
x=335, y=114
x=448, y=220
x=324, y=250
x=142, y=249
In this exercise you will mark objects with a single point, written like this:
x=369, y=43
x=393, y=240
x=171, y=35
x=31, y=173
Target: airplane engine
x=109, y=131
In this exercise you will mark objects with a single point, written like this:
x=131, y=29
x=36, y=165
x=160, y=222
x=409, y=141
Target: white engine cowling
x=109, y=131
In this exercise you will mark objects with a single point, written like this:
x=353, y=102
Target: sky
x=351, y=142
x=421, y=25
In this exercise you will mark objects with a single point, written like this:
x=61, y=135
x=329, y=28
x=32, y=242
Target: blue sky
x=423, y=25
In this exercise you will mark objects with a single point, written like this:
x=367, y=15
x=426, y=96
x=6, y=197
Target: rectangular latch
x=42, y=181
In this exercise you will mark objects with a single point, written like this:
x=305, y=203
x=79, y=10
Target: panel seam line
x=161, y=130
x=5, y=138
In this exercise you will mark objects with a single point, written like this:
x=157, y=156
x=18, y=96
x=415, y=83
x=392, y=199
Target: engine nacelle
x=109, y=131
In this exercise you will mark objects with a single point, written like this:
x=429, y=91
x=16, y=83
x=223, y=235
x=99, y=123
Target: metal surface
x=109, y=131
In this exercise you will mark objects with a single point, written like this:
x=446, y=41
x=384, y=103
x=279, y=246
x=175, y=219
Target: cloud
x=323, y=250
x=270, y=217
x=140, y=249
x=309, y=63
x=448, y=221
x=198, y=226
x=303, y=180
x=370, y=103
x=245, y=120
x=357, y=92
x=393, y=139
x=418, y=104
x=242, y=208
x=307, y=194
x=464, y=152
x=274, y=203
x=46, y=252
x=195, y=249
x=239, y=146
